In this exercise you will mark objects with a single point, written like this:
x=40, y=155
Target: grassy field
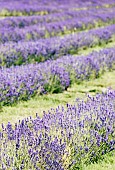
x=108, y=163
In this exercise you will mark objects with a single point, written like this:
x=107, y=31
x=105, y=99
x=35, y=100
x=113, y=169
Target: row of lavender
x=22, y=21
x=51, y=48
x=56, y=28
x=23, y=8
x=65, y=138
x=22, y=82
x=35, y=8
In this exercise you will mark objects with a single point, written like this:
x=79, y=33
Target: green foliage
x=54, y=86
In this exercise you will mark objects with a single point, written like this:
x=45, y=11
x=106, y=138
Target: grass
x=108, y=163
x=97, y=48
x=46, y=102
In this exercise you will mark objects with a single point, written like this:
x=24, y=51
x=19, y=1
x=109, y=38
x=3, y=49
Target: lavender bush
x=20, y=9
x=65, y=138
x=21, y=82
x=33, y=7
x=46, y=30
x=51, y=48
x=22, y=21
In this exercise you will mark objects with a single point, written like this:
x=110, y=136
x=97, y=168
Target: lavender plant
x=23, y=21
x=22, y=82
x=64, y=138
x=51, y=48
x=53, y=29
x=24, y=7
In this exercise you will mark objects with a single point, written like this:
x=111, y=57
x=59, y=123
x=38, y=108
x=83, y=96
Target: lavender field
x=57, y=85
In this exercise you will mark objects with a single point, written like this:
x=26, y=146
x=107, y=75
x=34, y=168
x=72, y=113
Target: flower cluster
x=46, y=30
x=20, y=8
x=51, y=48
x=21, y=82
x=22, y=21
x=64, y=138
x=42, y=7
